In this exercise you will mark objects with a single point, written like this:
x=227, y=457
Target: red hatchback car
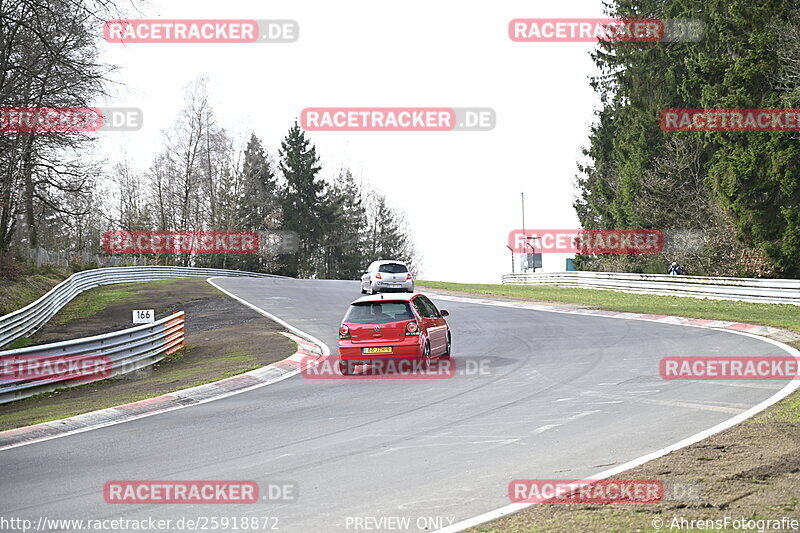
x=403, y=326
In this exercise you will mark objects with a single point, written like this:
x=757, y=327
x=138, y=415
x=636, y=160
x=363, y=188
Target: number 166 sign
x=144, y=316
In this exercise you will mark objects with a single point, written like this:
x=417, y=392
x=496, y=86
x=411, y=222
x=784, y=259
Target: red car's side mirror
x=443, y=312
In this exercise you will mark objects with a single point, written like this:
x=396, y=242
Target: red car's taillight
x=344, y=332
x=409, y=276
x=412, y=328
x=378, y=275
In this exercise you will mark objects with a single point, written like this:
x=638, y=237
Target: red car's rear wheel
x=446, y=354
x=426, y=355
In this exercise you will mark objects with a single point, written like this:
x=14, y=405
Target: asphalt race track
x=561, y=396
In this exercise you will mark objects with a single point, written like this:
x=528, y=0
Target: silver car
x=386, y=276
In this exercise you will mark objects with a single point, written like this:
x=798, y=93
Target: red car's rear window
x=378, y=312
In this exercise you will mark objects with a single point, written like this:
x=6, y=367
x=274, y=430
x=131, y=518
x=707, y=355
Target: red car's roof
x=401, y=297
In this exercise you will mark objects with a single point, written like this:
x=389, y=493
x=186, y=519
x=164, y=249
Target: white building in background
x=549, y=262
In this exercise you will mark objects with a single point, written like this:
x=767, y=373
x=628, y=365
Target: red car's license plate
x=378, y=349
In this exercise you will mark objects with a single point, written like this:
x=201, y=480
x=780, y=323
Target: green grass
x=788, y=410
x=777, y=315
x=16, y=294
x=40, y=408
x=158, y=281
x=93, y=302
x=789, y=505
x=22, y=342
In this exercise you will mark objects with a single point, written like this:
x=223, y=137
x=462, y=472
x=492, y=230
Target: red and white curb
x=767, y=334
x=308, y=353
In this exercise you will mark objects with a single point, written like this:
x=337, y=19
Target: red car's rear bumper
x=410, y=347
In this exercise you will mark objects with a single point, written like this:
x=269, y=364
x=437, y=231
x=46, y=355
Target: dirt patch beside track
x=750, y=471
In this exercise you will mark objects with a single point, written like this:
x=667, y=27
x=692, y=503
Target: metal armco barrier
x=126, y=350
x=31, y=317
x=786, y=291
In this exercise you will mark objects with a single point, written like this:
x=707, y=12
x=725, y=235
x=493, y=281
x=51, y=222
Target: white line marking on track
x=414, y=446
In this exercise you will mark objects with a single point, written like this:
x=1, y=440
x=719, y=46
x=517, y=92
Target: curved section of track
x=566, y=396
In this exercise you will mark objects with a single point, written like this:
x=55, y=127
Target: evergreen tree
x=345, y=225
x=748, y=181
x=300, y=201
x=257, y=203
x=258, y=207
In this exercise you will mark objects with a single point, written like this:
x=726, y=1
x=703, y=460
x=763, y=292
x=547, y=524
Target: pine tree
x=258, y=207
x=300, y=201
x=344, y=231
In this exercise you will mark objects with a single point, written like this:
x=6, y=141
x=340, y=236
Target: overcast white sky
x=460, y=190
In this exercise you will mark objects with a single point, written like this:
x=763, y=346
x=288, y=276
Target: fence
x=64, y=259
x=31, y=317
x=743, y=289
x=125, y=351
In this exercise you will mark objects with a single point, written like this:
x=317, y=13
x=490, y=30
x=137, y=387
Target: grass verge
x=93, y=302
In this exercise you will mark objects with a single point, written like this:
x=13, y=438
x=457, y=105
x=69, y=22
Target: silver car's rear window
x=378, y=312
x=393, y=268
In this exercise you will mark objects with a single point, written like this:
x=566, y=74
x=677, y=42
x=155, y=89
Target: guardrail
x=121, y=352
x=33, y=316
x=761, y=290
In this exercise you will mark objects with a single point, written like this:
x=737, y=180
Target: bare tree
x=48, y=58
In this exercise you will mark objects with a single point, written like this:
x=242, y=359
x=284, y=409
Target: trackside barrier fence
x=126, y=350
x=31, y=317
x=761, y=290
